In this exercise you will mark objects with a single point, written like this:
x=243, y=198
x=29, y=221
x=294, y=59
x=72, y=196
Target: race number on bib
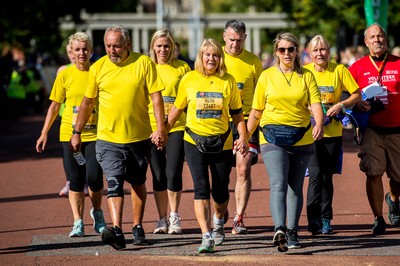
x=91, y=123
x=209, y=104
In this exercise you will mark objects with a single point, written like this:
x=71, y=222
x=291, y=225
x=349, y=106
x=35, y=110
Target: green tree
x=35, y=24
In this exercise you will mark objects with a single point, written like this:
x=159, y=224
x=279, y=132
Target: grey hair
x=236, y=25
x=374, y=24
x=119, y=28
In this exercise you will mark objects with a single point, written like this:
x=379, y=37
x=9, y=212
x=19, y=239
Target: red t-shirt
x=365, y=73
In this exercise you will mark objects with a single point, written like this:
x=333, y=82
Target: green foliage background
x=35, y=24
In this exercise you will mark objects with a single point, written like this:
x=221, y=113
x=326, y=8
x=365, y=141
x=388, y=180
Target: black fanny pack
x=209, y=144
x=283, y=135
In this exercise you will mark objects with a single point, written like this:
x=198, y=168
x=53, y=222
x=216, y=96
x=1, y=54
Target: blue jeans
x=286, y=172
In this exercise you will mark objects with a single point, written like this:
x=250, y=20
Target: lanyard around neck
x=379, y=69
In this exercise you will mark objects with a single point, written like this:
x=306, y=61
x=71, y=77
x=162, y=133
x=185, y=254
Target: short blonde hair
x=217, y=48
x=81, y=37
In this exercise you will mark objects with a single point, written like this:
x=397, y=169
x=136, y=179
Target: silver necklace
x=291, y=76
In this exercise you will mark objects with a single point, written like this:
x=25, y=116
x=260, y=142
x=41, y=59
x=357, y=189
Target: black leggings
x=322, y=166
x=220, y=165
x=167, y=165
x=77, y=174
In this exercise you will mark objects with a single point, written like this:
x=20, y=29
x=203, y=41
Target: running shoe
x=326, y=226
x=98, y=220
x=162, y=226
x=139, y=237
x=207, y=245
x=293, y=239
x=218, y=234
x=394, y=210
x=238, y=225
x=78, y=230
x=174, y=225
x=114, y=237
x=280, y=239
x=379, y=227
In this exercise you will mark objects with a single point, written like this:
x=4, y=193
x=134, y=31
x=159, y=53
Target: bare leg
x=77, y=202
x=243, y=182
x=220, y=209
x=116, y=205
x=375, y=194
x=96, y=198
x=161, y=198
x=138, y=195
x=202, y=209
x=174, y=200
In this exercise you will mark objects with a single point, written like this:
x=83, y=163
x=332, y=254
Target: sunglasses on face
x=282, y=50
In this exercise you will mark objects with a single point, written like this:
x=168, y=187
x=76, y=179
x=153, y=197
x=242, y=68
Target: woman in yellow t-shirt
x=211, y=97
x=283, y=96
x=332, y=80
x=167, y=164
x=69, y=87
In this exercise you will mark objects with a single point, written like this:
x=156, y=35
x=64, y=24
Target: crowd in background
x=25, y=79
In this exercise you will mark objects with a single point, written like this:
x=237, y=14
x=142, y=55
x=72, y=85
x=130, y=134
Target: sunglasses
x=282, y=50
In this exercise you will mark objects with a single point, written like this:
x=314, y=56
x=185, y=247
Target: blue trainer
x=98, y=220
x=78, y=230
x=326, y=226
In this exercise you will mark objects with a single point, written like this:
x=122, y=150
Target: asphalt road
x=35, y=221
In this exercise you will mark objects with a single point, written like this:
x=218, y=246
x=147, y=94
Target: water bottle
x=79, y=158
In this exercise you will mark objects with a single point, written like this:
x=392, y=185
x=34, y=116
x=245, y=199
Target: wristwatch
x=76, y=132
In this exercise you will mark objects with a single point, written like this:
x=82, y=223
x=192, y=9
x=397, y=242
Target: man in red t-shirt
x=380, y=149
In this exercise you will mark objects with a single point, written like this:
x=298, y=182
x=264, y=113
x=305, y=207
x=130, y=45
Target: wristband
x=76, y=132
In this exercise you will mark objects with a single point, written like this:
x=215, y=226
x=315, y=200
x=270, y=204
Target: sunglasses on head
x=282, y=50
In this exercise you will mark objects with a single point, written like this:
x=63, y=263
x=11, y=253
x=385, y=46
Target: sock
x=218, y=221
x=207, y=235
x=173, y=214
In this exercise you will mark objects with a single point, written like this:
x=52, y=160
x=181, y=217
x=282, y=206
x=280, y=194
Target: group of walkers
x=128, y=110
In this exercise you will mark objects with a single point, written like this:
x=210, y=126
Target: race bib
x=91, y=123
x=240, y=86
x=209, y=104
x=168, y=103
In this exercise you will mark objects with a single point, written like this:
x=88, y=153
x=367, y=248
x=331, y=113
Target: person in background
x=69, y=87
x=123, y=81
x=167, y=164
x=209, y=93
x=283, y=96
x=396, y=51
x=178, y=55
x=65, y=190
x=380, y=149
x=332, y=80
x=245, y=67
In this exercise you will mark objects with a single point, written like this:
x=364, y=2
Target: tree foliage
x=35, y=24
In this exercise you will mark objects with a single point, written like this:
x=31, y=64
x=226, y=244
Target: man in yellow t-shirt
x=123, y=81
x=245, y=67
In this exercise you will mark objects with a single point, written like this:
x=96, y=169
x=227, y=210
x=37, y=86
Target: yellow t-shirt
x=208, y=100
x=246, y=68
x=331, y=83
x=123, y=90
x=171, y=75
x=69, y=86
x=284, y=104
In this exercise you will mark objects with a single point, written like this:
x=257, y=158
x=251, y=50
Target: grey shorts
x=129, y=161
x=380, y=153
